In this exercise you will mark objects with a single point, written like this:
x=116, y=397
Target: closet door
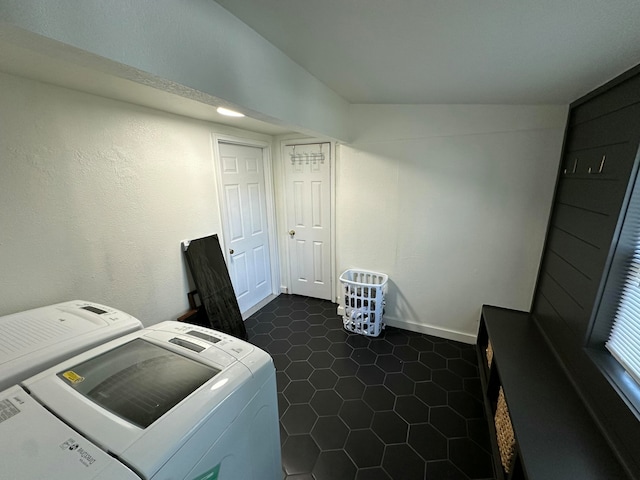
x=244, y=213
x=308, y=198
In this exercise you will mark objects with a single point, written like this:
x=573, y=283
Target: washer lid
x=138, y=381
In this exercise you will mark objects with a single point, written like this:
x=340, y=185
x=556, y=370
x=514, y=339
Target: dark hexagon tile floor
x=403, y=406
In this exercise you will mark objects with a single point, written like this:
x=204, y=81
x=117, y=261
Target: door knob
x=292, y=232
x=231, y=251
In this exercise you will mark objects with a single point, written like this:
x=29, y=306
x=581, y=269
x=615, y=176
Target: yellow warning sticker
x=72, y=376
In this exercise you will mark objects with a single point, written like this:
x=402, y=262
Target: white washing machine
x=34, y=340
x=171, y=401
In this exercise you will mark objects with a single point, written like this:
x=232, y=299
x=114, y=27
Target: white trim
x=334, y=267
x=286, y=266
x=431, y=330
x=290, y=140
x=426, y=329
x=258, y=306
x=270, y=199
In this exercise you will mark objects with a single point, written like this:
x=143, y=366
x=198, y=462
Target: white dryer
x=169, y=402
x=34, y=340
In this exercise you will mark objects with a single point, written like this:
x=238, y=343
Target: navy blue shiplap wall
x=597, y=175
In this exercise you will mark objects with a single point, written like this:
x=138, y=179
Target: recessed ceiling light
x=229, y=113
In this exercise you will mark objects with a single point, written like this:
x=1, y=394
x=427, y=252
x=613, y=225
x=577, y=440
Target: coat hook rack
x=313, y=158
x=574, y=169
x=601, y=167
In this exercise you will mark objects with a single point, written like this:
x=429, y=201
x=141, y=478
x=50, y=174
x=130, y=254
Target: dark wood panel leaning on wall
x=597, y=174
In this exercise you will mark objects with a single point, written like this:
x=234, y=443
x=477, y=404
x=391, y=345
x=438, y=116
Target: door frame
x=285, y=249
x=216, y=140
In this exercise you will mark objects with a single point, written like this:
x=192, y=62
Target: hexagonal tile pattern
x=330, y=432
x=282, y=380
x=406, y=353
x=431, y=394
x=465, y=405
x=401, y=461
x=412, y=409
x=299, y=370
x=428, y=442
x=397, y=337
x=416, y=371
x=462, y=368
x=299, y=338
x=299, y=391
x=299, y=454
x=379, y=398
x=433, y=360
x=422, y=344
x=363, y=356
x=448, y=422
x=280, y=333
x=326, y=402
x=319, y=344
x=320, y=359
x=278, y=346
x=340, y=350
x=318, y=331
x=356, y=414
x=389, y=363
x=349, y=388
x=447, y=350
x=370, y=375
x=281, y=361
x=374, y=473
x=380, y=346
x=344, y=367
x=335, y=465
x=447, y=380
x=364, y=448
x=298, y=352
x=399, y=384
x=470, y=458
x=390, y=427
x=299, y=419
x=444, y=469
x=283, y=404
x=402, y=406
x=323, y=379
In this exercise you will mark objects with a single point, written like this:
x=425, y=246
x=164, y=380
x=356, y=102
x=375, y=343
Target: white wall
x=452, y=203
x=172, y=44
x=95, y=197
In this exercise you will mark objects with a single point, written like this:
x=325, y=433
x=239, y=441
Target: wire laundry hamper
x=364, y=302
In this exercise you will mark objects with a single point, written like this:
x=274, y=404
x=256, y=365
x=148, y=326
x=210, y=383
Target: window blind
x=624, y=339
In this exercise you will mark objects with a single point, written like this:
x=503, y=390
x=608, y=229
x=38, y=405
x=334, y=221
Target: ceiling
x=452, y=51
x=50, y=68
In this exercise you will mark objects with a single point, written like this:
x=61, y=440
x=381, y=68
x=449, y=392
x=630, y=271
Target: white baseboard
x=432, y=330
x=257, y=307
x=427, y=329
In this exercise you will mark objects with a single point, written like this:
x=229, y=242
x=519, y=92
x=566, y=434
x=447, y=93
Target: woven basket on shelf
x=504, y=432
x=489, y=354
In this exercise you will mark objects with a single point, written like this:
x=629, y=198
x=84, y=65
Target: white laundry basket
x=364, y=302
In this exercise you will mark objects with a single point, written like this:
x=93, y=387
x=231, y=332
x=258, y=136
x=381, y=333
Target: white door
x=244, y=212
x=308, y=190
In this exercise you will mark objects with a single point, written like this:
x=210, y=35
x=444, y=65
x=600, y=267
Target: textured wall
x=95, y=197
x=195, y=44
x=452, y=202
